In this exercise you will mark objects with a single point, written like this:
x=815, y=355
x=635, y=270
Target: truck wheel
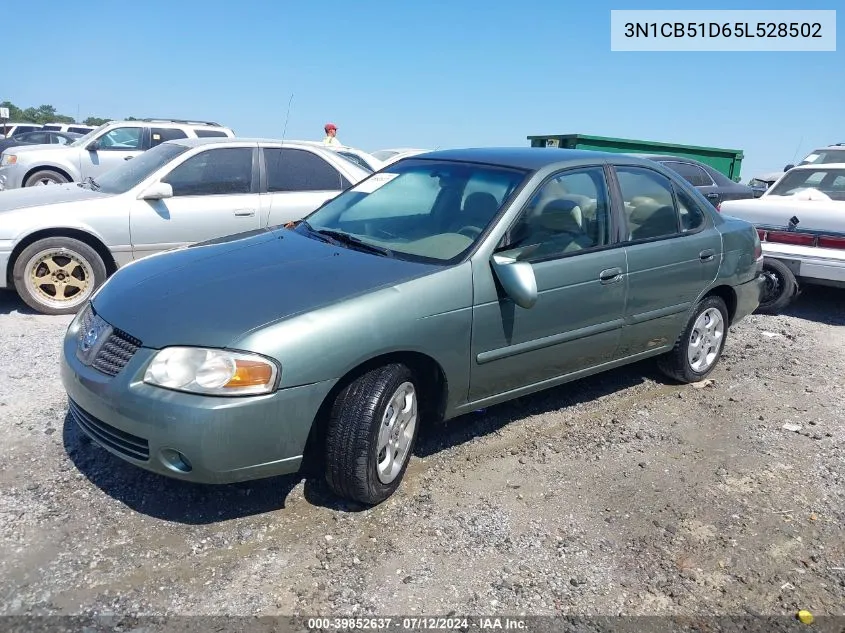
x=45, y=177
x=57, y=275
x=698, y=349
x=780, y=287
x=370, y=434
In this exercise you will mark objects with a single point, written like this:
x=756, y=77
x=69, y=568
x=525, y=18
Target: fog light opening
x=175, y=460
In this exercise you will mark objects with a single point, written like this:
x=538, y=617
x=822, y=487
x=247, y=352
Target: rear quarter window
x=210, y=133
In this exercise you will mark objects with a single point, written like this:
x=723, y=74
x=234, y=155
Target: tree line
x=47, y=114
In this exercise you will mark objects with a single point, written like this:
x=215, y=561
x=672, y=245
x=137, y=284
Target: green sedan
x=444, y=283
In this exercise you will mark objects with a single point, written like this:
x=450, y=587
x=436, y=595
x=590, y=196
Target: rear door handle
x=245, y=213
x=610, y=275
x=707, y=255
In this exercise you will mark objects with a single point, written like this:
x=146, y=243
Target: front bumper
x=196, y=438
x=748, y=297
x=11, y=177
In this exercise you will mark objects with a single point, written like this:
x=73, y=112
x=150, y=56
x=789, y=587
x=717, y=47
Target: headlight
x=211, y=371
x=8, y=159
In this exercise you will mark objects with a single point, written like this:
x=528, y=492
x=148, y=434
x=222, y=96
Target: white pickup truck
x=801, y=223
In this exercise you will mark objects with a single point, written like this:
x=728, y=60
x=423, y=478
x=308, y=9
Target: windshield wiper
x=89, y=183
x=346, y=238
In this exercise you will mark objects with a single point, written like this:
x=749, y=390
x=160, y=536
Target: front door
x=113, y=148
x=565, y=233
x=673, y=253
x=214, y=195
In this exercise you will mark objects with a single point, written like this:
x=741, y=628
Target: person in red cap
x=331, y=135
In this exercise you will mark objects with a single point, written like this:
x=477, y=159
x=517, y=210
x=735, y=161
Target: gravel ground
x=617, y=494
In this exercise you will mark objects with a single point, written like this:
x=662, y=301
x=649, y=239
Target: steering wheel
x=471, y=232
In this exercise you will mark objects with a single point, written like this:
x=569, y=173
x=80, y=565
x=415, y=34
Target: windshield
x=825, y=157
x=127, y=175
x=831, y=182
x=355, y=159
x=421, y=210
x=83, y=140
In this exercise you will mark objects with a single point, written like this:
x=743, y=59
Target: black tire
x=352, y=433
x=780, y=288
x=84, y=264
x=45, y=175
x=676, y=364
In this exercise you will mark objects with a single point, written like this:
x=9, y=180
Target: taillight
x=797, y=239
x=719, y=207
x=828, y=241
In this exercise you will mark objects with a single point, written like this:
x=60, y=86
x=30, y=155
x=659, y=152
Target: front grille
x=121, y=441
x=116, y=352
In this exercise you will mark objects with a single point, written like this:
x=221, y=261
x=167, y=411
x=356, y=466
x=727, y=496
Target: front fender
x=64, y=163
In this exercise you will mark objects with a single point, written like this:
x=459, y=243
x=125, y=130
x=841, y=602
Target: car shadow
x=822, y=304
x=11, y=302
x=183, y=502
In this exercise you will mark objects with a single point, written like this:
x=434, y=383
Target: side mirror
x=157, y=191
x=517, y=278
x=788, y=167
x=93, y=146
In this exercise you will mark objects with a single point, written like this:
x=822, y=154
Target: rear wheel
x=370, y=434
x=45, y=177
x=780, y=287
x=57, y=275
x=698, y=349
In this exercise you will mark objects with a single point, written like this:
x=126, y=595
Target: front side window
x=219, y=171
x=420, y=210
x=830, y=182
x=122, y=138
x=570, y=213
x=299, y=170
x=130, y=173
x=693, y=174
x=649, y=203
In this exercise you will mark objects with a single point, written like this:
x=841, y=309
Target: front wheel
x=45, y=177
x=698, y=349
x=371, y=432
x=57, y=275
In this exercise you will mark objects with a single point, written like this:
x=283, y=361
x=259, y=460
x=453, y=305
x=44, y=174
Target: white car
x=58, y=244
x=390, y=156
x=801, y=223
x=10, y=128
x=358, y=156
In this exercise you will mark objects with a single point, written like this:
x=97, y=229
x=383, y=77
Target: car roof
x=821, y=166
x=228, y=140
x=531, y=158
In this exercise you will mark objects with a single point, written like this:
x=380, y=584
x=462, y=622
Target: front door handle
x=245, y=213
x=610, y=275
x=707, y=255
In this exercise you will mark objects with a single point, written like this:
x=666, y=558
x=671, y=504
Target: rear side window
x=209, y=133
x=693, y=174
x=299, y=170
x=160, y=135
x=55, y=128
x=25, y=128
x=649, y=203
x=79, y=130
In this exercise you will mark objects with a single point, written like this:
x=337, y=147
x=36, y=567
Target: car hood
x=51, y=194
x=40, y=147
x=212, y=294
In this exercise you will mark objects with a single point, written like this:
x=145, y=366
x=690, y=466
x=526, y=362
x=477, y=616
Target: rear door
x=673, y=253
x=294, y=182
x=215, y=193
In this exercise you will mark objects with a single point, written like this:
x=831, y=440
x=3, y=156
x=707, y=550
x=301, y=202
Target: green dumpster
x=727, y=161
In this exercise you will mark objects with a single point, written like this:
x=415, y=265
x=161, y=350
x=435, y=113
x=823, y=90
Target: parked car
x=357, y=156
x=38, y=137
x=59, y=244
x=96, y=152
x=389, y=156
x=759, y=184
x=715, y=186
x=822, y=156
x=11, y=128
x=801, y=222
x=73, y=128
x=443, y=284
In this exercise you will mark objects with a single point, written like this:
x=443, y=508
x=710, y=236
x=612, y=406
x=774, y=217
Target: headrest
x=560, y=215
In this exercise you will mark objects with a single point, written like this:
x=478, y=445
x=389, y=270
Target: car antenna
x=284, y=131
x=795, y=157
